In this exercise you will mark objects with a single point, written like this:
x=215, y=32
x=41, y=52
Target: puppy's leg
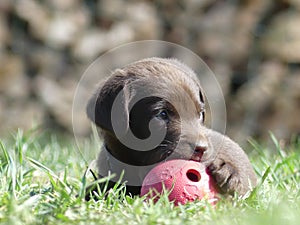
x=109, y=166
x=231, y=167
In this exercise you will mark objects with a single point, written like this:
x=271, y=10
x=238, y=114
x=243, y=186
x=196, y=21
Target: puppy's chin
x=165, y=151
x=187, y=151
x=170, y=148
x=138, y=158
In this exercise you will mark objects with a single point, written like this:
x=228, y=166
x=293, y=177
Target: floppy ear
x=99, y=106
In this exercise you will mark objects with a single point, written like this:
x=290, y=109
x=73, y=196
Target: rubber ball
x=184, y=180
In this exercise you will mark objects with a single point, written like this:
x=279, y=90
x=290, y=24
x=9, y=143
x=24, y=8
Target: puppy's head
x=150, y=110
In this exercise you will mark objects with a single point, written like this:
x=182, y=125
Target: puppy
x=153, y=110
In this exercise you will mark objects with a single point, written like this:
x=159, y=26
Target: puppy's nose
x=200, y=148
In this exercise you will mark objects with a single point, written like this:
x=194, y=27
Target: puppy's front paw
x=226, y=176
x=230, y=167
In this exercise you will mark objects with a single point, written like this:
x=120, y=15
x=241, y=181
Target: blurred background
x=252, y=46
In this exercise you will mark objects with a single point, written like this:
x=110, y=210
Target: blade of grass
x=261, y=182
x=277, y=146
x=4, y=151
x=48, y=171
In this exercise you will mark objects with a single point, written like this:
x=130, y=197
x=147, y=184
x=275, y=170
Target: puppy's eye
x=163, y=114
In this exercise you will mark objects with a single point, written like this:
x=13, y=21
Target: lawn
x=43, y=182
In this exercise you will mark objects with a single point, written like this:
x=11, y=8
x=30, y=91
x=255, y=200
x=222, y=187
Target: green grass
x=42, y=182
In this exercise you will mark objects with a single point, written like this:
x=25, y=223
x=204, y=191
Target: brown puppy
x=153, y=110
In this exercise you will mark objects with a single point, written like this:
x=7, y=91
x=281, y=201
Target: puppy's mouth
x=197, y=156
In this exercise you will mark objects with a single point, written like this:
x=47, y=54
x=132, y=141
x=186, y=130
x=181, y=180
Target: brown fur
x=174, y=89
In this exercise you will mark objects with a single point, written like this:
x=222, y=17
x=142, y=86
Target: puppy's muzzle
x=200, y=148
x=198, y=153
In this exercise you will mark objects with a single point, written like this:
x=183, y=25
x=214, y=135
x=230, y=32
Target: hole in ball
x=193, y=175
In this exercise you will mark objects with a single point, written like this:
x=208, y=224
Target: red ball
x=186, y=181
